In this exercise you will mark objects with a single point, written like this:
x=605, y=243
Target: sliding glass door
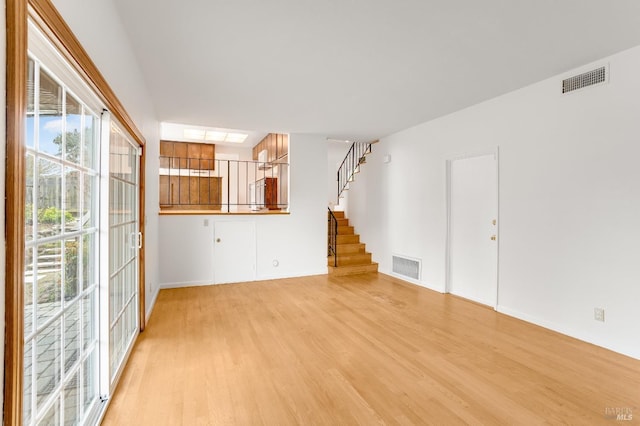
x=61, y=281
x=82, y=241
x=125, y=242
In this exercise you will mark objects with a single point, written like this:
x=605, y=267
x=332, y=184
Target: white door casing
x=472, y=270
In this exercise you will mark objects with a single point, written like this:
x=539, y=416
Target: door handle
x=135, y=240
x=218, y=240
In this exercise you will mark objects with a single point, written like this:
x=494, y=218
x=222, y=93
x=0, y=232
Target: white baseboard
x=576, y=334
x=151, y=305
x=321, y=271
x=266, y=277
x=164, y=286
x=412, y=281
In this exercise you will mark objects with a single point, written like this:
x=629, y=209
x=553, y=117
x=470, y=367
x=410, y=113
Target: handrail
x=333, y=237
x=214, y=184
x=351, y=164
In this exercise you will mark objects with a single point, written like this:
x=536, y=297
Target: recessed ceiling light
x=215, y=136
x=194, y=134
x=236, y=137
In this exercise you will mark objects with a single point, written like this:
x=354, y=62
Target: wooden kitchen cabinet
x=187, y=155
x=179, y=188
x=190, y=192
x=276, y=145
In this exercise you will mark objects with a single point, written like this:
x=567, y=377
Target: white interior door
x=473, y=243
x=234, y=252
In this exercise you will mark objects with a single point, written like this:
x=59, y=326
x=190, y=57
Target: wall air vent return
x=596, y=76
x=407, y=267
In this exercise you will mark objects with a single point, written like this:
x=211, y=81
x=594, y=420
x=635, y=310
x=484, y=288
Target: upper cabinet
x=276, y=145
x=188, y=155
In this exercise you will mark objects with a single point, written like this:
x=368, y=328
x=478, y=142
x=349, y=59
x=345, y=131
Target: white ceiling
x=358, y=69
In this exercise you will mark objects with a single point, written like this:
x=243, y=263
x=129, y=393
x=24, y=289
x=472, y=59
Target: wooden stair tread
x=348, y=239
x=350, y=248
x=353, y=269
x=345, y=230
x=354, y=257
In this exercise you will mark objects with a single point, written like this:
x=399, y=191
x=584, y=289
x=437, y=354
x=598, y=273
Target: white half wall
x=569, y=217
x=99, y=29
x=297, y=240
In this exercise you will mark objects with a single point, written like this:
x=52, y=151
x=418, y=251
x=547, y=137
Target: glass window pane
x=73, y=132
x=131, y=196
x=49, y=198
x=71, y=268
x=49, y=280
x=72, y=200
x=90, y=146
x=89, y=319
x=133, y=320
x=72, y=401
x=90, y=380
x=133, y=162
x=113, y=362
x=115, y=297
x=30, y=103
x=28, y=208
x=48, y=353
x=88, y=219
x=89, y=251
x=27, y=384
x=28, y=291
x=50, y=125
x=52, y=417
x=71, y=336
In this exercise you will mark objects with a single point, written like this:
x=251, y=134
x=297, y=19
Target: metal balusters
x=332, y=228
x=351, y=164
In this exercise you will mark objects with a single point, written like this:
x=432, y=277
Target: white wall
x=569, y=201
x=244, y=154
x=3, y=145
x=297, y=240
x=99, y=29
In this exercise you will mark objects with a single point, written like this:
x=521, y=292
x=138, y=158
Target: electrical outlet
x=598, y=314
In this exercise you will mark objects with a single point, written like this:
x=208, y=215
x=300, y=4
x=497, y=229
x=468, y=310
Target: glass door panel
x=124, y=245
x=61, y=249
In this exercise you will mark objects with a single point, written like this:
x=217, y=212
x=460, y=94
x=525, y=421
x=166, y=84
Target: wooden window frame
x=46, y=17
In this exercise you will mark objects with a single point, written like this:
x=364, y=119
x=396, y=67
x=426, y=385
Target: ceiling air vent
x=589, y=78
x=406, y=266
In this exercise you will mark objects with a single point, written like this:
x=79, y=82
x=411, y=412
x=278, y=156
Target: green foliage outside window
x=53, y=215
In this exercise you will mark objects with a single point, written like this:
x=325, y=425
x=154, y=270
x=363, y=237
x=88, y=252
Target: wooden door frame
x=449, y=161
x=45, y=15
x=16, y=111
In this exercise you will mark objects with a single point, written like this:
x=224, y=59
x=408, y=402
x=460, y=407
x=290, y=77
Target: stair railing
x=351, y=164
x=333, y=237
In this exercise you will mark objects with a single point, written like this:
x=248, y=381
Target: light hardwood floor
x=364, y=350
